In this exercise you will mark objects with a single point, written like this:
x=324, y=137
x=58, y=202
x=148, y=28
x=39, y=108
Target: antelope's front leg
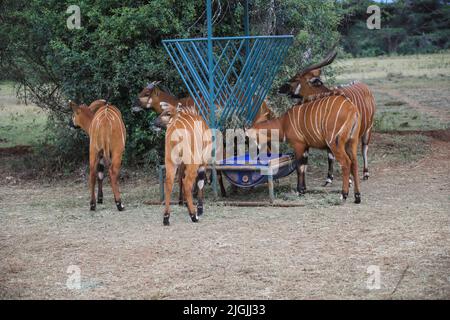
x=301, y=154
x=330, y=176
x=168, y=185
x=301, y=171
x=223, y=192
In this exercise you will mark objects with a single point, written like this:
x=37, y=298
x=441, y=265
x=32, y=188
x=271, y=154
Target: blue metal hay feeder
x=234, y=73
x=241, y=79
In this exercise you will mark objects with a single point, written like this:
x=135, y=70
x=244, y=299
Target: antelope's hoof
x=93, y=206
x=344, y=196
x=120, y=206
x=366, y=176
x=200, y=210
x=301, y=192
x=328, y=182
x=357, y=198
x=100, y=200
x=180, y=203
x=194, y=218
x=166, y=221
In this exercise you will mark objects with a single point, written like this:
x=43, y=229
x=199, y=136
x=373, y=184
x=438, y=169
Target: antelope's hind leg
x=92, y=179
x=188, y=183
x=181, y=196
x=201, y=177
x=114, y=171
x=100, y=177
x=365, y=148
x=345, y=162
x=351, y=150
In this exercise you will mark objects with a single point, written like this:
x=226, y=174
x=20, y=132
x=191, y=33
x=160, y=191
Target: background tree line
x=407, y=27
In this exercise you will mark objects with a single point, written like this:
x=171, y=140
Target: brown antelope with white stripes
x=307, y=83
x=331, y=122
x=107, y=135
x=188, y=143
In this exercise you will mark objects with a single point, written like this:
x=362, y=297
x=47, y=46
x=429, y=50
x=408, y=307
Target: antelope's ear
x=150, y=85
x=155, y=83
x=316, y=72
x=73, y=105
x=179, y=107
x=284, y=89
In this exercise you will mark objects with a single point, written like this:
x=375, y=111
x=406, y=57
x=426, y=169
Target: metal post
x=270, y=183
x=212, y=106
x=246, y=28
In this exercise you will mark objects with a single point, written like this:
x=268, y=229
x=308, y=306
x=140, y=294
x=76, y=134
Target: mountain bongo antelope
x=331, y=122
x=307, y=83
x=188, y=144
x=104, y=125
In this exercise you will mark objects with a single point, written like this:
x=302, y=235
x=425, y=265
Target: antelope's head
x=307, y=82
x=148, y=98
x=169, y=111
x=81, y=116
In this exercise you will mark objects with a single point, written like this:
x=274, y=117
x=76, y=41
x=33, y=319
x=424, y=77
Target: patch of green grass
x=404, y=118
x=394, y=103
x=397, y=67
x=400, y=148
x=20, y=124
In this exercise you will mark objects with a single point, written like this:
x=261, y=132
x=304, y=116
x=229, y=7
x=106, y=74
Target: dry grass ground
x=320, y=250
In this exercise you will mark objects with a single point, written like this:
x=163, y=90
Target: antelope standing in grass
x=307, y=83
x=104, y=125
x=188, y=143
x=330, y=122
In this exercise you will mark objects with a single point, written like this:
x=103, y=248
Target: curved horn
x=153, y=84
x=325, y=62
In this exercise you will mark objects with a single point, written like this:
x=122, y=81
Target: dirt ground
x=402, y=228
x=322, y=249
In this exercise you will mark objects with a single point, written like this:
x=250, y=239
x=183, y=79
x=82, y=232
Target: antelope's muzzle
x=137, y=106
x=72, y=124
x=285, y=89
x=157, y=125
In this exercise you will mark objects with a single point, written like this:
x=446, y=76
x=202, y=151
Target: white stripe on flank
x=335, y=121
x=329, y=114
